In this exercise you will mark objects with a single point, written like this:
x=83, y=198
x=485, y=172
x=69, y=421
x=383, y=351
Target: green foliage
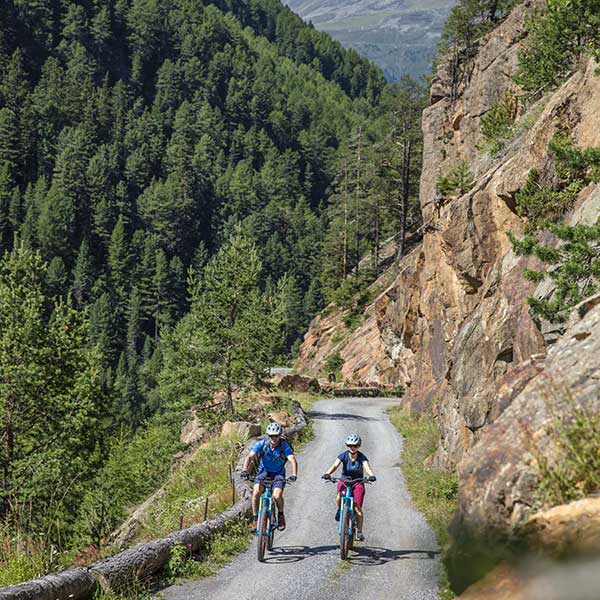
x=457, y=182
x=573, y=471
x=557, y=35
x=498, y=123
x=334, y=363
x=575, y=268
x=231, y=333
x=134, y=468
x=470, y=19
x=51, y=401
x=575, y=255
x=221, y=549
x=433, y=491
x=540, y=204
x=205, y=475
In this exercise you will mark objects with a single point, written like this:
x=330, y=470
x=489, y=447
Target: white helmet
x=273, y=429
x=353, y=440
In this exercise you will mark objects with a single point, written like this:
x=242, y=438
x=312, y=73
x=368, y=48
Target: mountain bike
x=347, y=524
x=267, y=519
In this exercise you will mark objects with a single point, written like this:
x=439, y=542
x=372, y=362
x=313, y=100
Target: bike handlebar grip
x=326, y=476
x=372, y=478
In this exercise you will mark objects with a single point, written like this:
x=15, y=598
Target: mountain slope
x=398, y=35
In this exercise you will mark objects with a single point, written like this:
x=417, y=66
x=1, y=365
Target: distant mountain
x=399, y=35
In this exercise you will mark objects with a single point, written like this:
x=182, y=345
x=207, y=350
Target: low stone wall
x=357, y=392
x=144, y=560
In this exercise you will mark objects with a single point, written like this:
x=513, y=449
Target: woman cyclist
x=355, y=464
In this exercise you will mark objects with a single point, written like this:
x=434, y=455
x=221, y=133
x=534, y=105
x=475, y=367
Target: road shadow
x=370, y=556
x=367, y=556
x=315, y=414
x=292, y=554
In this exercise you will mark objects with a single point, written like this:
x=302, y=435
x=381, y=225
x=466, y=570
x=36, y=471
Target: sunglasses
x=352, y=446
x=273, y=436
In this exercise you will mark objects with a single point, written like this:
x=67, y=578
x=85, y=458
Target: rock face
x=499, y=475
x=241, y=429
x=454, y=326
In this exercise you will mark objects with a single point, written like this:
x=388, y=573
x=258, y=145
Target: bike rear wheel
x=345, y=534
x=262, y=536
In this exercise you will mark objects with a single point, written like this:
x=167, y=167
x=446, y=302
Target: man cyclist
x=354, y=463
x=273, y=454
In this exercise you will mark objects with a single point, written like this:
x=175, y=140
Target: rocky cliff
x=454, y=325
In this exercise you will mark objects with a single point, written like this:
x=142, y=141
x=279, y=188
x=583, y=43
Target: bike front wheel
x=345, y=533
x=262, y=541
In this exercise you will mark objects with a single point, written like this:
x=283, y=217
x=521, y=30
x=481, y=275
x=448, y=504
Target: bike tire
x=271, y=537
x=262, y=536
x=344, y=534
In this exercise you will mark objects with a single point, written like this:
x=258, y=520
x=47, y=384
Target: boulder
x=565, y=530
x=282, y=418
x=241, y=429
x=503, y=583
x=193, y=433
x=298, y=383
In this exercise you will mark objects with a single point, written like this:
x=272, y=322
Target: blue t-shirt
x=352, y=469
x=271, y=461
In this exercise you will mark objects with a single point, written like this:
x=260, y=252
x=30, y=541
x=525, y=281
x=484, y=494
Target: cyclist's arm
x=367, y=468
x=248, y=460
x=294, y=464
x=334, y=466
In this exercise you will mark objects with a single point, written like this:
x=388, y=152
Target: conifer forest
x=157, y=159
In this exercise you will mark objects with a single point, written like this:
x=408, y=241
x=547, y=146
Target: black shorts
x=278, y=479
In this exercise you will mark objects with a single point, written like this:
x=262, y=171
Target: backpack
x=265, y=445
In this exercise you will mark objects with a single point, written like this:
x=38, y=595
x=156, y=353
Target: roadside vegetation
x=432, y=490
x=572, y=470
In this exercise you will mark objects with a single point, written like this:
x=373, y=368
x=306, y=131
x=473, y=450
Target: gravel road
x=399, y=558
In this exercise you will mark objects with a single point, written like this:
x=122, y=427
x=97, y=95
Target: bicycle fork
x=266, y=503
x=347, y=501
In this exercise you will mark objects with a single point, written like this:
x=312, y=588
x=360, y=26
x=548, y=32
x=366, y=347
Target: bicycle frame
x=267, y=503
x=348, y=500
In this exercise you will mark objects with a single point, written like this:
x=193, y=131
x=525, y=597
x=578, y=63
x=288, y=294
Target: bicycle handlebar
x=268, y=480
x=347, y=481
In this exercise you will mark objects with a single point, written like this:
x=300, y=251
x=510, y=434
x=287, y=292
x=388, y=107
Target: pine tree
x=56, y=277
x=231, y=333
x=161, y=305
x=119, y=261
x=50, y=399
x=83, y=275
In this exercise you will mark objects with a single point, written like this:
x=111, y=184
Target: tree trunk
x=10, y=450
x=406, y=158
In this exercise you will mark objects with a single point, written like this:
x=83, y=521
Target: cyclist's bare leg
x=338, y=499
x=256, y=492
x=278, y=497
x=359, y=517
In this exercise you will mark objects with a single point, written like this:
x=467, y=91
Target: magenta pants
x=359, y=492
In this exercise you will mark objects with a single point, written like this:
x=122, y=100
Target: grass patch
x=205, y=475
x=20, y=558
x=433, y=491
x=572, y=472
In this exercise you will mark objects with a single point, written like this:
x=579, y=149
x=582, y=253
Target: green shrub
x=574, y=258
x=135, y=468
x=457, y=182
x=497, y=125
x=557, y=35
x=334, y=363
x=574, y=472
